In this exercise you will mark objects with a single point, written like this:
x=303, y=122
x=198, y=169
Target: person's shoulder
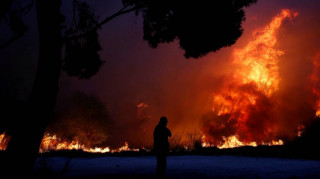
x=157, y=127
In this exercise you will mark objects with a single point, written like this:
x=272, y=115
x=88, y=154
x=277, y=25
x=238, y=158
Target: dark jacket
x=161, y=142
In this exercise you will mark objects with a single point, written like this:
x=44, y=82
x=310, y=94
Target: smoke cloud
x=138, y=85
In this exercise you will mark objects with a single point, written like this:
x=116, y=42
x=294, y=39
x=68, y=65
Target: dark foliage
x=10, y=109
x=12, y=12
x=200, y=26
x=312, y=132
x=310, y=136
x=82, y=59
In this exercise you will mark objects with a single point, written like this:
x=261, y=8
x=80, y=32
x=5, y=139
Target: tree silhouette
x=12, y=14
x=200, y=26
x=82, y=59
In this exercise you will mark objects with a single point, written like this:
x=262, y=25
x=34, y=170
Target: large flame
x=243, y=107
x=258, y=61
x=248, y=91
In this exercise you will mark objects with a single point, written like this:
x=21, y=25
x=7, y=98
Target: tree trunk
x=24, y=145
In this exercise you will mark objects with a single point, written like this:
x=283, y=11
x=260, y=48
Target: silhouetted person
x=161, y=145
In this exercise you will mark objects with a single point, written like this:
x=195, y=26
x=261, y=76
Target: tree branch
x=120, y=12
x=123, y=10
x=11, y=40
x=27, y=8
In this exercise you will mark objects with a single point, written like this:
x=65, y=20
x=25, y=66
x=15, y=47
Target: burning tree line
x=246, y=107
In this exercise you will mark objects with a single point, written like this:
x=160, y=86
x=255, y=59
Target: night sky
x=162, y=78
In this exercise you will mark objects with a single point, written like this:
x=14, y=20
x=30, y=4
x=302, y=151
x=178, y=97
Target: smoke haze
x=163, y=83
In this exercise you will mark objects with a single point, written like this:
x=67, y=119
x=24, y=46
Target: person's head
x=163, y=121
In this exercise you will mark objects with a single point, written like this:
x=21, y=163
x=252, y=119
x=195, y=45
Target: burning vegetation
x=249, y=108
x=4, y=139
x=83, y=121
x=244, y=107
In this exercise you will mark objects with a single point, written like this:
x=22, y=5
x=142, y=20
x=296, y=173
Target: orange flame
x=125, y=148
x=4, y=139
x=233, y=141
x=51, y=142
x=254, y=81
